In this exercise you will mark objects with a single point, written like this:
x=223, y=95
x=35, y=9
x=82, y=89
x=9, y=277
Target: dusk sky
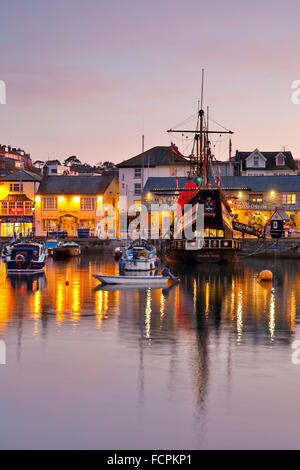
x=87, y=78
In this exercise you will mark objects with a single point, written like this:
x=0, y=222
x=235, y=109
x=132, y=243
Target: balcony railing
x=265, y=206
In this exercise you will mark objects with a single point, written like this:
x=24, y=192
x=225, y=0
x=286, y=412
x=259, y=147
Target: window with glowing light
x=256, y=198
x=87, y=203
x=49, y=203
x=289, y=198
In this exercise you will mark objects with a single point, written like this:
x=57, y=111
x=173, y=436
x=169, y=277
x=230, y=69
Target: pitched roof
x=157, y=156
x=22, y=175
x=81, y=185
x=270, y=160
x=281, y=214
x=262, y=183
x=251, y=183
x=164, y=183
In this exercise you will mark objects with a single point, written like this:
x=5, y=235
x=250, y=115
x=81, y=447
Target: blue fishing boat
x=26, y=258
x=49, y=246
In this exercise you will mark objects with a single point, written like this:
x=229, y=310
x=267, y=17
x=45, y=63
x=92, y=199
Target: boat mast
x=201, y=115
x=202, y=150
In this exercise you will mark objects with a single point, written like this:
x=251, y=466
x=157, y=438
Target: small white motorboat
x=165, y=279
x=133, y=280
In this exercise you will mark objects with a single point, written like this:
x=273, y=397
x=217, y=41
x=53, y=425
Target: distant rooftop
x=262, y=183
x=22, y=175
x=156, y=156
x=270, y=159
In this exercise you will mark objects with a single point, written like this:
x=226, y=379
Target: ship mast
x=202, y=151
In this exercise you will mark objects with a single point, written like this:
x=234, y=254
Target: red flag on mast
x=218, y=177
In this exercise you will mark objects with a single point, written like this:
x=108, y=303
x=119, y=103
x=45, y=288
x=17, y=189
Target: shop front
x=16, y=225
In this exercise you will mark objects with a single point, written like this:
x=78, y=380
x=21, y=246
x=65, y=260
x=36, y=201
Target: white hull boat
x=134, y=280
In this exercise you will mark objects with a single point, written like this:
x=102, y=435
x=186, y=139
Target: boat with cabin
x=50, y=245
x=66, y=250
x=139, y=256
x=26, y=258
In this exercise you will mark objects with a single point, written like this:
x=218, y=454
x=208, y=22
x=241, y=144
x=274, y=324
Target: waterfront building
x=54, y=168
x=17, y=195
x=257, y=163
x=70, y=203
x=13, y=158
x=253, y=199
x=155, y=162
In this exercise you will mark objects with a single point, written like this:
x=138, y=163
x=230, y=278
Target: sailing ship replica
x=218, y=245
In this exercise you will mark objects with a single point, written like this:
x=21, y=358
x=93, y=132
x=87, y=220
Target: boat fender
x=121, y=264
x=166, y=272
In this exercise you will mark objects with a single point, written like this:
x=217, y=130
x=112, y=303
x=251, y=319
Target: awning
x=16, y=197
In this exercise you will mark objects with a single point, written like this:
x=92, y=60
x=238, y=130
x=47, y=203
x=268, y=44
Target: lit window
x=49, y=203
x=256, y=198
x=87, y=204
x=289, y=199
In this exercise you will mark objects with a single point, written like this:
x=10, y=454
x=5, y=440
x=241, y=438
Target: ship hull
x=202, y=256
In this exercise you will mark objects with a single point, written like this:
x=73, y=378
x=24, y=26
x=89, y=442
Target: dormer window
x=280, y=160
x=256, y=160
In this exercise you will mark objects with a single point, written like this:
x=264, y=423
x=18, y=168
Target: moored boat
x=213, y=241
x=26, y=258
x=139, y=256
x=50, y=245
x=66, y=250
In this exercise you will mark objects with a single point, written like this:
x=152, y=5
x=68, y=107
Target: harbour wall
x=256, y=247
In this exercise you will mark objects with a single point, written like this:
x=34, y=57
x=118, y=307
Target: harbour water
x=205, y=365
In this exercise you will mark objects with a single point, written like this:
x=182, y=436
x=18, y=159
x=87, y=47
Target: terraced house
x=70, y=203
x=257, y=163
x=17, y=198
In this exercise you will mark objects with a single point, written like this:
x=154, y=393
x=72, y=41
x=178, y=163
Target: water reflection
x=231, y=296
x=175, y=345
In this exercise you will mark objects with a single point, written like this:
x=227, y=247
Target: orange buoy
x=265, y=275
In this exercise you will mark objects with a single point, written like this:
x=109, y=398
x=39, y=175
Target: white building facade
x=156, y=162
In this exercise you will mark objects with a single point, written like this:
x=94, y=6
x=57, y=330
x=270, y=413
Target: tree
x=106, y=165
x=73, y=160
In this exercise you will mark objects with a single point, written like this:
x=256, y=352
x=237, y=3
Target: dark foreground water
x=205, y=365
